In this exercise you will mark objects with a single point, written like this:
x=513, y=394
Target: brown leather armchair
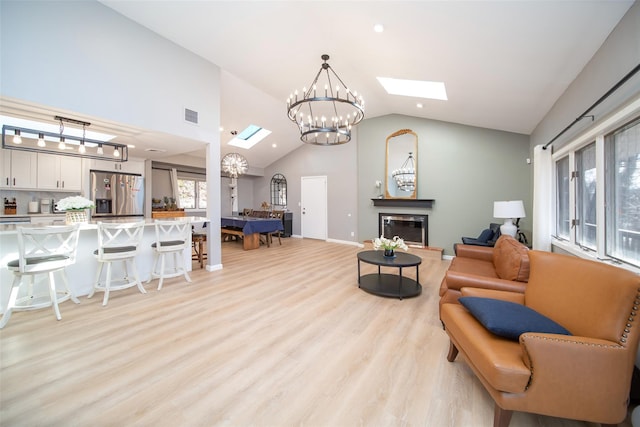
x=504, y=267
x=584, y=376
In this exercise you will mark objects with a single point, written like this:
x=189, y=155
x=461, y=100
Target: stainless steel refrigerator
x=117, y=194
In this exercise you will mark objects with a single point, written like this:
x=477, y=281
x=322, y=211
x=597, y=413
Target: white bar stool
x=172, y=237
x=42, y=250
x=117, y=242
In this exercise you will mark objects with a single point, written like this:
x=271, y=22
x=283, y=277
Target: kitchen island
x=82, y=273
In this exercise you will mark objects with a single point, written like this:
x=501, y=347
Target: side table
x=390, y=285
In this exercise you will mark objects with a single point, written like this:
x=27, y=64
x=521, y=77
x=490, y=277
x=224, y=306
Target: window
x=192, y=193
x=202, y=195
x=599, y=215
x=586, y=200
x=623, y=191
x=562, y=198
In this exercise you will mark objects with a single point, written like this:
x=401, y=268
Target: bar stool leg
x=126, y=271
x=54, y=296
x=137, y=277
x=30, y=288
x=161, y=271
x=65, y=279
x=107, y=286
x=179, y=263
x=153, y=268
x=12, y=301
x=97, y=282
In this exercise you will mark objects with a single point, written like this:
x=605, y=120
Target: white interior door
x=314, y=207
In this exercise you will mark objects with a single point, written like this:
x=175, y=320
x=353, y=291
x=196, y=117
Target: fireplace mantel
x=404, y=203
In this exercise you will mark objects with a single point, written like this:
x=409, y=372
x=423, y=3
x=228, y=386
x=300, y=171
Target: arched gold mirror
x=401, y=167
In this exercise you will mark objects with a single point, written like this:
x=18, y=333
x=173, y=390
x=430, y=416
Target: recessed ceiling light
x=414, y=88
x=274, y=145
x=378, y=28
x=221, y=129
x=419, y=105
x=131, y=146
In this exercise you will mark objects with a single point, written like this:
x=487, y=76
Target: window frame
x=197, y=181
x=580, y=206
x=626, y=114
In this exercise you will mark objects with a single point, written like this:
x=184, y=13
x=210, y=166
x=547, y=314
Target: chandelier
x=405, y=177
x=325, y=113
x=234, y=164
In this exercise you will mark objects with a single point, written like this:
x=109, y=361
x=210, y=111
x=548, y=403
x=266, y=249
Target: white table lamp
x=509, y=210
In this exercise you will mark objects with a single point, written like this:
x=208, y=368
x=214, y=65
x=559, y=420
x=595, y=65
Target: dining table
x=251, y=227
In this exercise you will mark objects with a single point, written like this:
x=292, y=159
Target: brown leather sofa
x=504, y=267
x=584, y=376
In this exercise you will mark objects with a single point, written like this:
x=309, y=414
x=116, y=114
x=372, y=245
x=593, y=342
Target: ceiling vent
x=191, y=116
x=155, y=150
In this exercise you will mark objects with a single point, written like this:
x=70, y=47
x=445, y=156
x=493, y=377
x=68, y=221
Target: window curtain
x=542, y=198
x=173, y=173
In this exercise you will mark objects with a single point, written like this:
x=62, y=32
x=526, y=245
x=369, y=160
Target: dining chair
x=117, y=242
x=198, y=241
x=172, y=237
x=41, y=251
x=275, y=215
x=247, y=212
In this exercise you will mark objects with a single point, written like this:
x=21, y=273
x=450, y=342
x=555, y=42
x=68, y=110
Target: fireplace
x=414, y=229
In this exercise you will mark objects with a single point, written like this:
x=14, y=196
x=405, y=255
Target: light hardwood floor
x=281, y=336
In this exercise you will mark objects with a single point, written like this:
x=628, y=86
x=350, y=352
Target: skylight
x=414, y=88
x=249, y=137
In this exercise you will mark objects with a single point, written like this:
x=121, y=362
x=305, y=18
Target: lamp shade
x=509, y=209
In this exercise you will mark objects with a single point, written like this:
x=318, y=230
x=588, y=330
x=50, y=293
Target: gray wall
x=339, y=165
x=464, y=168
x=617, y=56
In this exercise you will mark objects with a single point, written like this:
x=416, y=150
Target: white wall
x=80, y=56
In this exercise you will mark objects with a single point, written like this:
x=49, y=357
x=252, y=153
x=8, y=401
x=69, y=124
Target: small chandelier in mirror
x=326, y=111
x=234, y=165
x=405, y=177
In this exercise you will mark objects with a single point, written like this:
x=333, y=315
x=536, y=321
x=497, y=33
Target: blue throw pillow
x=509, y=319
x=485, y=235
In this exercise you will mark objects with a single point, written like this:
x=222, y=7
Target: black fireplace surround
x=412, y=228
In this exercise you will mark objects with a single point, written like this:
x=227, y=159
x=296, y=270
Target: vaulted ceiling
x=504, y=63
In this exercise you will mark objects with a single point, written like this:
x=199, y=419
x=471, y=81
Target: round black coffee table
x=390, y=285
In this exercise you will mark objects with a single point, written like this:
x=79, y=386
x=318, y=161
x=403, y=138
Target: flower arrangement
x=389, y=244
x=74, y=203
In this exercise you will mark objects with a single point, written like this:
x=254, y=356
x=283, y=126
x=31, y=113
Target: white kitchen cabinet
x=60, y=173
x=130, y=166
x=71, y=173
x=19, y=169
